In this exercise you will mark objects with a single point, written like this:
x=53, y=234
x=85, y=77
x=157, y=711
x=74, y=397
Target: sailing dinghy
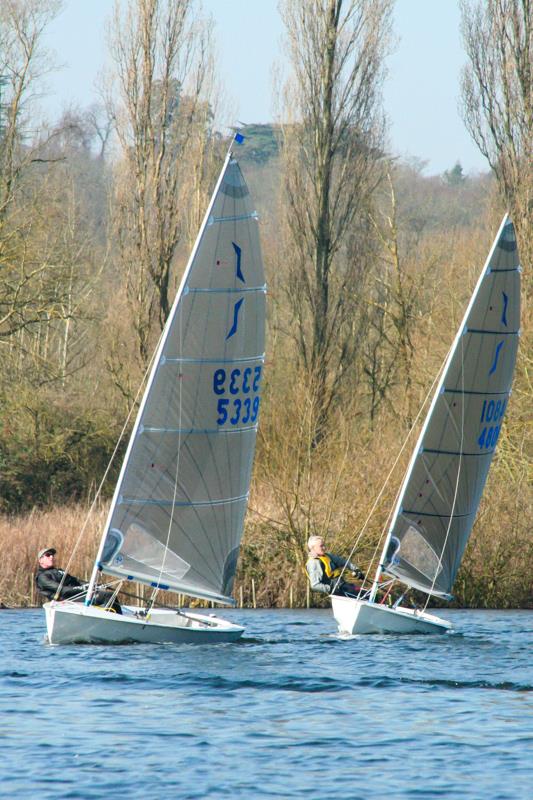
x=177, y=514
x=440, y=495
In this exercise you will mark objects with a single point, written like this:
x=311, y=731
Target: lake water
x=291, y=711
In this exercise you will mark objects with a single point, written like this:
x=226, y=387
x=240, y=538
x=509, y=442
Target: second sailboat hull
x=362, y=617
x=68, y=622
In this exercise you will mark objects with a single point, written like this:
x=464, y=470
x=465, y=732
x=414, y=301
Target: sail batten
x=149, y=501
x=447, y=472
x=494, y=333
x=200, y=431
x=504, y=393
x=238, y=290
x=248, y=360
x=460, y=453
x=235, y=218
x=178, y=511
x=415, y=513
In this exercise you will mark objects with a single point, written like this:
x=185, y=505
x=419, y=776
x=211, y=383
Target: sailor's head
x=45, y=557
x=316, y=545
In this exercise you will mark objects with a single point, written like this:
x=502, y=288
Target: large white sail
x=441, y=494
x=177, y=515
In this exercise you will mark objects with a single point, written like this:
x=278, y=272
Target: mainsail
x=177, y=515
x=443, y=486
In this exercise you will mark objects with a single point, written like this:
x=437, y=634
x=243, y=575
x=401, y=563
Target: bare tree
x=100, y=123
x=23, y=61
x=497, y=89
x=332, y=144
x=161, y=53
x=393, y=310
x=48, y=259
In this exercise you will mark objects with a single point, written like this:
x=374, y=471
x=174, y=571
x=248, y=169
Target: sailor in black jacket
x=49, y=579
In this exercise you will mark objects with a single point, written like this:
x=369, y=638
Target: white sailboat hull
x=74, y=623
x=361, y=616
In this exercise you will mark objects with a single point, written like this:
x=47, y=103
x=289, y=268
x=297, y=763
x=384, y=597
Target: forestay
x=177, y=515
x=443, y=486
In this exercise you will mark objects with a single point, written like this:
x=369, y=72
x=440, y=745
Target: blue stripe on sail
x=246, y=360
x=208, y=431
x=131, y=501
x=228, y=291
x=237, y=218
x=454, y=452
x=440, y=516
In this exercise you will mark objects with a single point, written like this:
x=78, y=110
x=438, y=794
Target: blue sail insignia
x=504, y=312
x=236, y=310
x=238, y=253
x=496, y=357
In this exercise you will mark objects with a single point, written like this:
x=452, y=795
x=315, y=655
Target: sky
x=421, y=93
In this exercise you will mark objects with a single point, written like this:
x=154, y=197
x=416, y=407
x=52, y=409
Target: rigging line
x=456, y=492
x=106, y=472
x=175, y=491
x=378, y=498
x=383, y=531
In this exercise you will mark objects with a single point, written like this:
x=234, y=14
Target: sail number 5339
x=242, y=386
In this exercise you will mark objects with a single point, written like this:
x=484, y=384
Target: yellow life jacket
x=327, y=566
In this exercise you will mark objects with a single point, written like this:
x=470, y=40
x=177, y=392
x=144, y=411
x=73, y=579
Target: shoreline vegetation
x=498, y=580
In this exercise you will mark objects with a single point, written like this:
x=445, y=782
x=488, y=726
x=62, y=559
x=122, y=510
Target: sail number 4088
x=242, y=386
x=492, y=412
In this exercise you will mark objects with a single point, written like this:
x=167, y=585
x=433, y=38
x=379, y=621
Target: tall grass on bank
x=496, y=570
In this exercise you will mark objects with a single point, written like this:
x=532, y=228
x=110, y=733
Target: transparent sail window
x=417, y=552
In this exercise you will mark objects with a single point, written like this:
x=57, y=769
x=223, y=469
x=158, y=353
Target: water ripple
x=386, y=683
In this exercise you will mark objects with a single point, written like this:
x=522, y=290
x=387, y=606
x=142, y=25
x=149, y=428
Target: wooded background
x=370, y=265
